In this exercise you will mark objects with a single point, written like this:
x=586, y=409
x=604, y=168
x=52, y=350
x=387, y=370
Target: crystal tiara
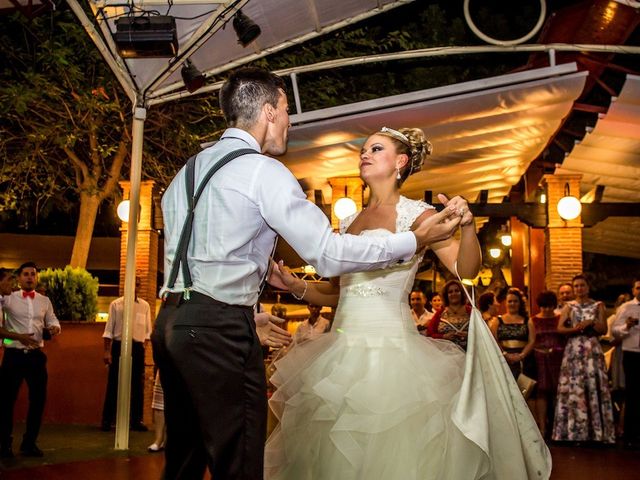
x=397, y=135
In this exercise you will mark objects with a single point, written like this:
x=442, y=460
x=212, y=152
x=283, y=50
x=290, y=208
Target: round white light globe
x=123, y=210
x=506, y=240
x=495, y=252
x=569, y=208
x=344, y=207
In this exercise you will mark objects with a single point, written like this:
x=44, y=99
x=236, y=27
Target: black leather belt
x=196, y=298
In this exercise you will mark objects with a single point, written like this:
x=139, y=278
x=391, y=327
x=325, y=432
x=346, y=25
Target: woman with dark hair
x=516, y=335
x=583, y=407
x=488, y=305
x=548, y=351
x=451, y=322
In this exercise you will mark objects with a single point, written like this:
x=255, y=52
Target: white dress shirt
x=423, y=319
x=237, y=218
x=630, y=336
x=141, y=320
x=28, y=315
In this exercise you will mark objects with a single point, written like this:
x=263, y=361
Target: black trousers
x=137, y=383
x=16, y=367
x=214, y=384
x=631, y=364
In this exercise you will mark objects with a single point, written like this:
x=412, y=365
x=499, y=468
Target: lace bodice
x=382, y=289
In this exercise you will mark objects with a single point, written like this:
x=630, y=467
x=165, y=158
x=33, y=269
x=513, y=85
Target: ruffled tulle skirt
x=354, y=405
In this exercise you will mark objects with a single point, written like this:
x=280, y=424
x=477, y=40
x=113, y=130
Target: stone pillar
x=146, y=268
x=563, y=249
x=354, y=187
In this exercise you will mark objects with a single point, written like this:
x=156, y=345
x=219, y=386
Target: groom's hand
x=437, y=227
x=269, y=333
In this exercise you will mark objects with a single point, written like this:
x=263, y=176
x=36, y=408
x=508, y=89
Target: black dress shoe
x=139, y=427
x=31, y=451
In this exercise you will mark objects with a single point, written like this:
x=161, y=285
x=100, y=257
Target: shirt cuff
x=403, y=245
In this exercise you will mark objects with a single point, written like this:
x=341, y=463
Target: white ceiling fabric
x=283, y=23
x=485, y=133
x=609, y=155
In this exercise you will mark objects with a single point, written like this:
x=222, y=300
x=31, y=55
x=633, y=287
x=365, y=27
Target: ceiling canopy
x=206, y=36
x=609, y=156
x=485, y=133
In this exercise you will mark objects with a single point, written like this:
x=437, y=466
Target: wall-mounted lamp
x=495, y=252
x=569, y=207
x=123, y=211
x=505, y=236
x=344, y=206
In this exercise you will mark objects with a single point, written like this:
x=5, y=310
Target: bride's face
x=379, y=159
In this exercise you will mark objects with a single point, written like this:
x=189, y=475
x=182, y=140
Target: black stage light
x=192, y=77
x=146, y=36
x=246, y=30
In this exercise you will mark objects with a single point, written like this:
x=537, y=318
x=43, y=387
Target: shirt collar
x=244, y=135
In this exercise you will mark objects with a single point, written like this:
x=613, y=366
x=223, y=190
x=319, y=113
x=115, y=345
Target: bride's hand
x=460, y=206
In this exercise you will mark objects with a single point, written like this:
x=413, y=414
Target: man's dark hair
x=485, y=301
x=245, y=92
x=5, y=272
x=26, y=265
x=547, y=299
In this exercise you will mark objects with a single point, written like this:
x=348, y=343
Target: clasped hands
x=442, y=225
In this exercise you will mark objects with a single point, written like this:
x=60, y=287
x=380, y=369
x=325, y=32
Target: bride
x=375, y=400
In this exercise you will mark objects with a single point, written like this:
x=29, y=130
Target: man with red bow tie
x=28, y=312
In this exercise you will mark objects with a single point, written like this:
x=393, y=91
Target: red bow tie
x=31, y=294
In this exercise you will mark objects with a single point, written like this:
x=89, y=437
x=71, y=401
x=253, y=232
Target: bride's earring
x=398, y=174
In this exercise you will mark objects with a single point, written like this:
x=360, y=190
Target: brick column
x=354, y=192
x=146, y=268
x=563, y=249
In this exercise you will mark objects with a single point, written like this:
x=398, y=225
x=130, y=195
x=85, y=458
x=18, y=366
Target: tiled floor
x=81, y=452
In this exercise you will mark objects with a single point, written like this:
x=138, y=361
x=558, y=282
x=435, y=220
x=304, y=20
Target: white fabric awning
x=206, y=36
x=485, y=133
x=609, y=155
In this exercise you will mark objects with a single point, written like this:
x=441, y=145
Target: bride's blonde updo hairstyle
x=413, y=143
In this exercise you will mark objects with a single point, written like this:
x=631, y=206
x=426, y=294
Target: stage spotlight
x=192, y=77
x=246, y=30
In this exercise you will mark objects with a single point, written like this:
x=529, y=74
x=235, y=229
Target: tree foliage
x=64, y=132
x=72, y=291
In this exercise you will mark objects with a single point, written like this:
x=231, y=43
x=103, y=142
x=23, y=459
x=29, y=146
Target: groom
x=205, y=341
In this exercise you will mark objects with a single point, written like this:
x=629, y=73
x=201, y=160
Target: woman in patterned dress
x=548, y=352
x=583, y=407
x=452, y=321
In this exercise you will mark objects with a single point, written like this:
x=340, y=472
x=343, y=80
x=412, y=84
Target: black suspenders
x=180, y=258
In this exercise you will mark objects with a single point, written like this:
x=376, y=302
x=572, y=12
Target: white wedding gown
x=375, y=400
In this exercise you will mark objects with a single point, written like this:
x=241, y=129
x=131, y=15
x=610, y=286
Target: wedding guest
x=516, y=335
x=451, y=322
x=627, y=327
x=26, y=312
x=583, y=406
x=548, y=351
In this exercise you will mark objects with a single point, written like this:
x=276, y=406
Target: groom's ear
x=269, y=111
